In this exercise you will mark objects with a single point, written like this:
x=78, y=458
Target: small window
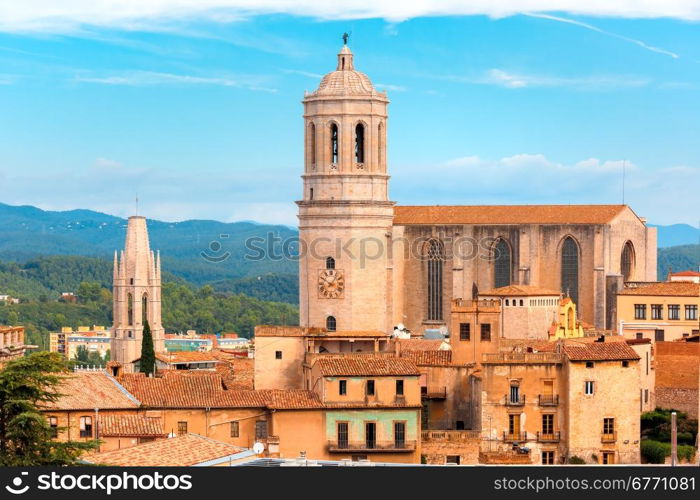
x=640, y=311
x=452, y=459
x=691, y=312
x=399, y=387
x=369, y=388
x=657, y=311
x=464, y=331
x=234, y=430
x=589, y=388
x=53, y=423
x=459, y=425
x=278, y=354
x=608, y=426
x=625, y=364
x=674, y=312
x=330, y=263
x=311, y=193
x=334, y=144
x=330, y=323
x=485, y=331
x=260, y=429
x=590, y=364
x=342, y=387
x=181, y=428
x=85, y=427
x=507, y=302
x=521, y=302
x=640, y=335
x=547, y=458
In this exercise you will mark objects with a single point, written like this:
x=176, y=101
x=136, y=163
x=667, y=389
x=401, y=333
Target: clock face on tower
x=331, y=284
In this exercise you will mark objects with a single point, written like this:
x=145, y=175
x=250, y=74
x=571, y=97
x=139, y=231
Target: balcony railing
x=548, y=437
x=548, y=400
x=514, y=437
x=449, y=435
x=608, y=437
x=521, y=357
x=515, y=401
x=434, y=392
x=341, y=446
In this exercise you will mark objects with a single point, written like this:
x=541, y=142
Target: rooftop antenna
x=624, y=165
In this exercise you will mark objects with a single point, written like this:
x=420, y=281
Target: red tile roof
x=599, y=351
x=428, y=358
x=419, y=344
x=186, y=357
x=364, y=365
x=506, y=214
x=185, y=450
x=519, y=291
x=130, y=425
x=667, y=288
x=90, y=390
x=298, y=331
x=686, y=273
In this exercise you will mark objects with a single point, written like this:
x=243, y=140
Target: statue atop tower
x=136, y=296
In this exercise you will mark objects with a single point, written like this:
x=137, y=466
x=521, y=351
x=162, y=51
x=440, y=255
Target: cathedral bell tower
x=345, y=216
x=136, y=296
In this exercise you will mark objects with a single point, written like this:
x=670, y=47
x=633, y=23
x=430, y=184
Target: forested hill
x=680, y=258
x=200, y=251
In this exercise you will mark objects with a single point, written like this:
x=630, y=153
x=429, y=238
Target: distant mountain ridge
x=677, y=234
x=193, y=249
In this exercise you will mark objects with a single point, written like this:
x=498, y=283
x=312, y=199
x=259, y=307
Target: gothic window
x=312, y=143
x=502, y=263
x=627, y=261
x=569, y=268
x=334, y=144
x=330, y=323
x=330, y=263
x=360, y=143
x=435, y=256
x=144, y=309
x=130, y=309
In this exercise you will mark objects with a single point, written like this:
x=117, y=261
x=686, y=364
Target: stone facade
x=136, y=296
x=677, y=367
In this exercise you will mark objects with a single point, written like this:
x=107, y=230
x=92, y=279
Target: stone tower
x=345, y=216
x=136, y=295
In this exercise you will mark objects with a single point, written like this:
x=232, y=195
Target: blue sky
x=197, y=108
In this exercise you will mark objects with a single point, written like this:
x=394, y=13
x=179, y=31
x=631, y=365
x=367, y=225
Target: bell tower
x=345, y=216
x=136, y=296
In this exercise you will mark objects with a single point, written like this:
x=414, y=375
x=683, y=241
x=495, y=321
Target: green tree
x=26, y=384
x=148, y=355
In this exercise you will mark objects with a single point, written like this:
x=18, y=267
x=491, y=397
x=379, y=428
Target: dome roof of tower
x=346, y=80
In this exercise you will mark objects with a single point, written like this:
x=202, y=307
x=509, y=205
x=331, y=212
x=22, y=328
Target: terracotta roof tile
x=186, y=357
x=519, y=291
x=298, y=331
x=185, y=450
x=419, y=344
x=364, y=365
x=428, y=358
x=90, y=390
x=506, y=214
x=599, y=351
x=130, y=425
x=686, y=273
x=668, y=288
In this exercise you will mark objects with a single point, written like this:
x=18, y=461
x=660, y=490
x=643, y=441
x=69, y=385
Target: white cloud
x=150, y=78
x=513, y=80
x=70, y=15
x=604, y=32
x=665, y=195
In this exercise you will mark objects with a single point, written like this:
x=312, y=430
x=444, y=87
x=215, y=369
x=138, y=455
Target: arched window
x=627, y=261
x=330, y=323
x=312, y=144
x=501, y=263
x=334, y=144
x=435, y=256
x=360, y=143
x=144, y=309
x=330, y=263
x=130, y=309
x=569, y=268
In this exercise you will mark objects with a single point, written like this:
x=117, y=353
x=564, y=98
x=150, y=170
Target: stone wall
x=677, y=366
x=437, y=446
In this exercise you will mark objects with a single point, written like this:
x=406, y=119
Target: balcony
x=537, y=358
x=515, y=401
x=608, y=437
x=514, y=437
x=548, y=437
x=548, y=400
x=450, y=436
x=396, y=446
x=433, y=392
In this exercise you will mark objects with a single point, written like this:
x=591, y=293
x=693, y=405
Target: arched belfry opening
x=359, y=143
x=334, y=143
